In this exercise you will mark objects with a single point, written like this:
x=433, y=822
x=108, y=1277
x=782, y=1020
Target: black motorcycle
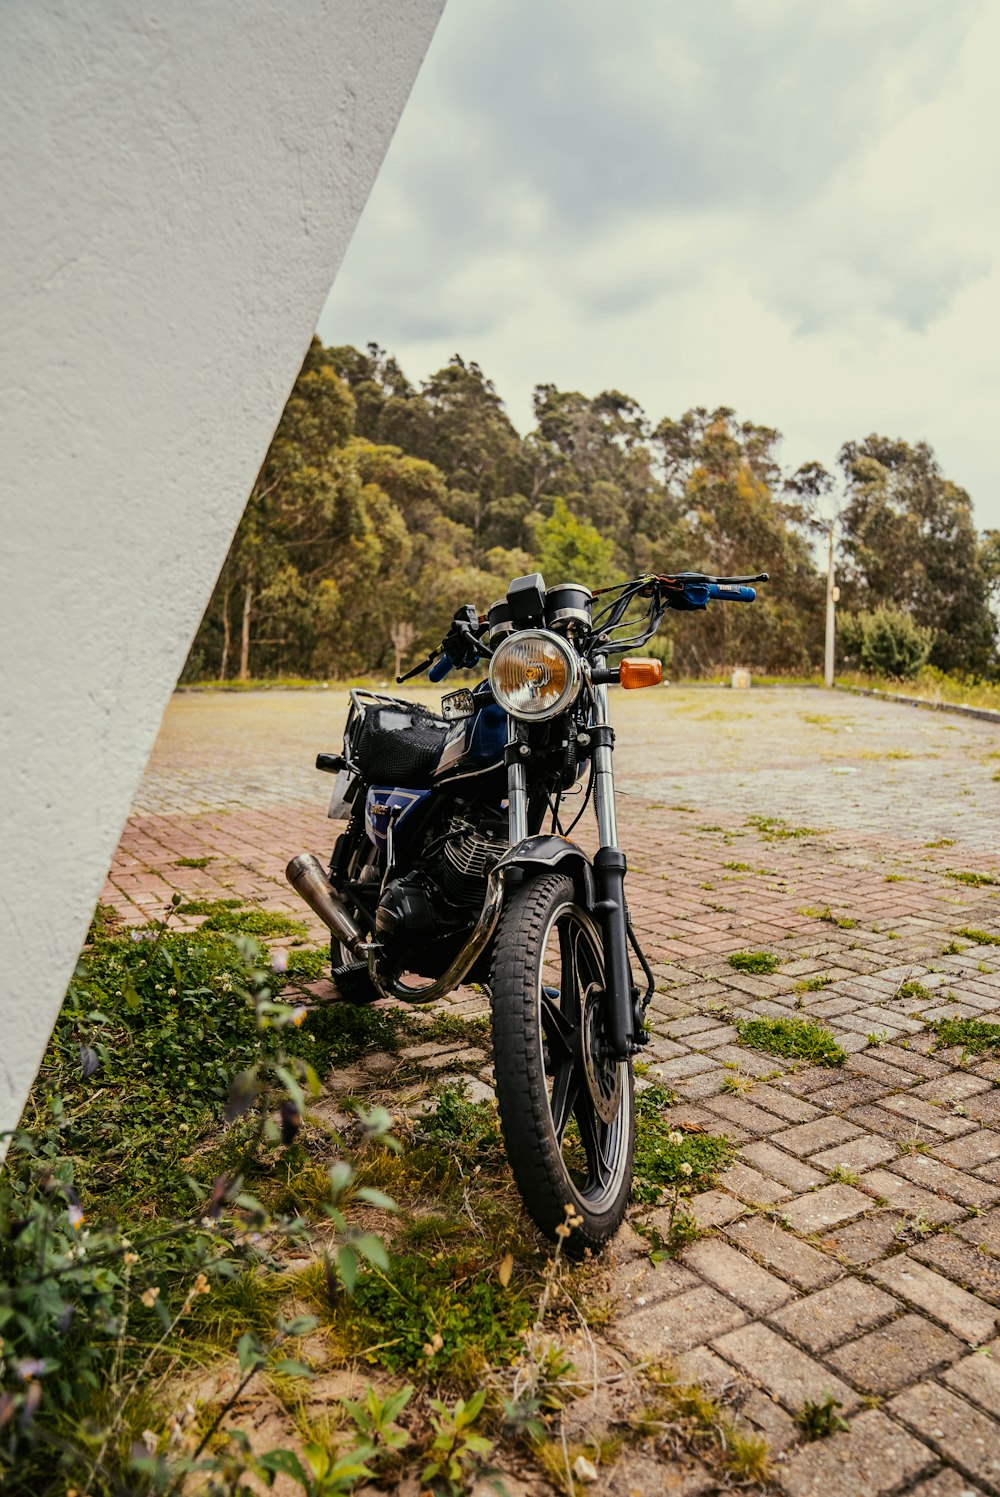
x=446, y=872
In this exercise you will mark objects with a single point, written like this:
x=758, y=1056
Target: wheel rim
x=588, y=1093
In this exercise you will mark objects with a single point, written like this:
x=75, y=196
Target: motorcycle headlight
x=535, y=675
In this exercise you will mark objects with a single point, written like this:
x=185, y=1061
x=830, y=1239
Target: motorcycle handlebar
x=440, y=668
x=728, y=592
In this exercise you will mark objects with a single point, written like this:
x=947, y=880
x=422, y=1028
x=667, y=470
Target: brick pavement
x=854, y=1247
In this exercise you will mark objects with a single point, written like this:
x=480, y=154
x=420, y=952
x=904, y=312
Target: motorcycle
x=456, y=866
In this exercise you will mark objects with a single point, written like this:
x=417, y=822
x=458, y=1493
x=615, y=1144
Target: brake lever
x=418, y=670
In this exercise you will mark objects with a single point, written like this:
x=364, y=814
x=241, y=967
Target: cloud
x=776, y=206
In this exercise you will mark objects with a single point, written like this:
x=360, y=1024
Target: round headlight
x=535, y=675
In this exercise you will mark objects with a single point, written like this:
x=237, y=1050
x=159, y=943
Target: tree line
x=381, y=506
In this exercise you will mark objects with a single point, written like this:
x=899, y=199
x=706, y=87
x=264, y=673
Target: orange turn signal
x=640, y=671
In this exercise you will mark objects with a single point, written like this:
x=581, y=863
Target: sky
x=786, y=208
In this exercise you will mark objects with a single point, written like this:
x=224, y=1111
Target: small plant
x=255, y=923
x=913, y=1146
x=973, y=879
x=208, y=906
x=914, y=989
x=840, y=1174
x=941, y=842
x=876, y=1038
x=977, y=1036
x=375, y=1420
x=760, y=962
x=668, y=1160
x=457, y=1447
x=818, y=1420
x=193, y=862
x=739, y=867
x=774, y=829
x=798, y=1039
x=307, y=965
x=813, y=984
x=978, y=937
x=736, y=1084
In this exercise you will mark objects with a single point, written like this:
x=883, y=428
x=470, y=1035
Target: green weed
x=774, y=829
x=819, y=1419
x=255, y=923
x=978, y=937
x=797, y=1039
x=208, y=906
x=973, y=879
x=667, y=1158
x=974, y=1035
x=759, y=962
x=193, y=862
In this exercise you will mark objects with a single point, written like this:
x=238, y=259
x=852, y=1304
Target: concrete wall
x=178, y=184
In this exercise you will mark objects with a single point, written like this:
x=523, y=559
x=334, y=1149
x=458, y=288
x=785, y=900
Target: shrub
x=887, y=642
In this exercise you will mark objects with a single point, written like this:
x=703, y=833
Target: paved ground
x=828, y=830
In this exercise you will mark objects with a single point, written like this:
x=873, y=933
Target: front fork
x=623, y=1018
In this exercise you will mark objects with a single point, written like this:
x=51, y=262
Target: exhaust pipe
x=307, y=877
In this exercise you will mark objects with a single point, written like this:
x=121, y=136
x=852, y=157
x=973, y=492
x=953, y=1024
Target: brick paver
x=828, y=831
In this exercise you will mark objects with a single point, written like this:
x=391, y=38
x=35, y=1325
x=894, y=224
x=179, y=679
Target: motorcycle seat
x=399, y=745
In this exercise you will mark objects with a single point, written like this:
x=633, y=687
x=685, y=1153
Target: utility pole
x=832, y=597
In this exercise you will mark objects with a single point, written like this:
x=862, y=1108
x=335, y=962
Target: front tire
x=566, y=1106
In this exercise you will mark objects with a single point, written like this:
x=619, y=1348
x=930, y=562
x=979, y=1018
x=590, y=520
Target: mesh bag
x=398, y=745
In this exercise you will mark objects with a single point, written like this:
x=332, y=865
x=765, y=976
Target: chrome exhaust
x=308, y=878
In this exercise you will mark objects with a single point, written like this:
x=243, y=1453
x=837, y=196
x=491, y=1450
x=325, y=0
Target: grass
x=973, y=879
x=843, y=922
x=813, y=984
x=977, y=1036
x=444, y=1314
x=667, y=1158
x=932, y=685
x=683, y=1414
x=193, y=862
x=914, y=989
x=979, y=937
x=775, y=829
x=208, y=906
x=307, y=964
x=818, y=1419
x=761, y=963
x=255, y=923
x=796, y=1039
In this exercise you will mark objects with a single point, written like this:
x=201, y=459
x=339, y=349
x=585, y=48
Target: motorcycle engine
x=440, y=897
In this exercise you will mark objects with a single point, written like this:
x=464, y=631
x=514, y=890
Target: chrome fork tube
x=517, y=790
x=604, y=775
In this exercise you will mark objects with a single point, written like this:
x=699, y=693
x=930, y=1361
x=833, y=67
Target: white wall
x=178, y=184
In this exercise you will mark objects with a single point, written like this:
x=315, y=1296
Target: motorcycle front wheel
x=566, y=1105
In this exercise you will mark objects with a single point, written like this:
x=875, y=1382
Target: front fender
x=549, y=852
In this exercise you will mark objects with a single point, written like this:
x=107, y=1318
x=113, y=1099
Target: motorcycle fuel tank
x=475, y=742
x=380, y=802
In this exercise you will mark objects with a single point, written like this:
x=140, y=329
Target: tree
x=571, y=550
x=732, y=517
x=909, y=540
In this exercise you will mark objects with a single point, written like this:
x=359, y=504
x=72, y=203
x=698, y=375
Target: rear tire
x=566, y=1106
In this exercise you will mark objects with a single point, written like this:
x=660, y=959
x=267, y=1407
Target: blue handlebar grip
x=731, y=592
x=440, y=668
